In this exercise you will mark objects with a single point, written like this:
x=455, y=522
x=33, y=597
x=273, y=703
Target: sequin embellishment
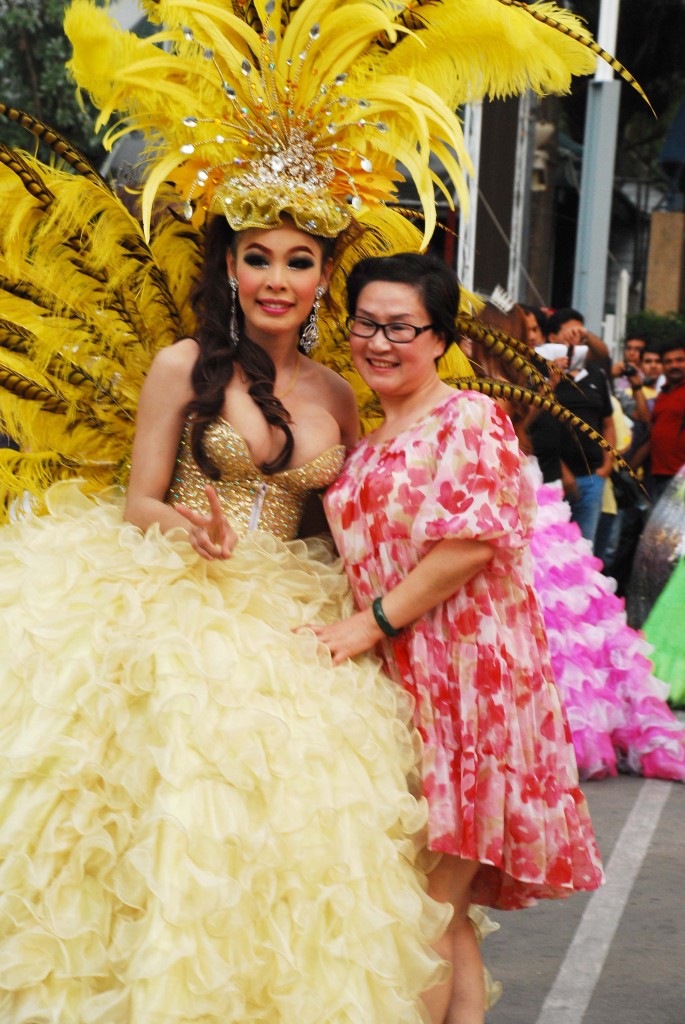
x=271, y=503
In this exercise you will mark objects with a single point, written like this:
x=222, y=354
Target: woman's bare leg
x=460, y=999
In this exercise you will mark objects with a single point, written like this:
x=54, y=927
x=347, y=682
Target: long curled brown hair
x=217, y=359
x=512, y=323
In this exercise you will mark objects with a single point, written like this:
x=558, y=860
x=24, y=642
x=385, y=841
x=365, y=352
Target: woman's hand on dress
x=348, y=637
x=212, y=536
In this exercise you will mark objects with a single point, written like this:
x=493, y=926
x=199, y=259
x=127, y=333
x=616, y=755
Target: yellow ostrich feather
x=84, y=306
x=290, y=84
x=551, y=16
x=474, y=49
x=234, y=90
x=87, y=296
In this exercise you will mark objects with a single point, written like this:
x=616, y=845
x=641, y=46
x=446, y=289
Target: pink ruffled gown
x=616, y=707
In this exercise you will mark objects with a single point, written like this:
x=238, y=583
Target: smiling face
x=278, y=272
x=389, y=368
x=674, y=366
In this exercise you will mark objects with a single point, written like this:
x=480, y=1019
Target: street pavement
x=612, y=957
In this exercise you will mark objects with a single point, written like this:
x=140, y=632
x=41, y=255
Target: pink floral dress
x=499, y=770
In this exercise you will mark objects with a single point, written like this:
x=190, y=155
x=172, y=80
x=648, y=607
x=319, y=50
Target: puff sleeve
x=482, y=488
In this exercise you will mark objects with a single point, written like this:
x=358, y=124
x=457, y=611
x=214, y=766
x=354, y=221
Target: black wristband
x=636, y=387
x=381, y=621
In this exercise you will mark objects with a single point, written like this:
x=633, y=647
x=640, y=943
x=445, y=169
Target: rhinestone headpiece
x=281, y=147
x=257, y=111
x=257, y=107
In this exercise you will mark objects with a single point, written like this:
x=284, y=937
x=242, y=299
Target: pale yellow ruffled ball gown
x=200, y=819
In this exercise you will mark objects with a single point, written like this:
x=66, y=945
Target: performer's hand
x=348, y=637
x=212, y=536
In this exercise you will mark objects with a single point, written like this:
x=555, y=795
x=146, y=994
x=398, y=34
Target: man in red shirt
x=668, y=420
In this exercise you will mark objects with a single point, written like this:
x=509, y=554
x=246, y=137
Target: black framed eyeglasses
x=397, y=333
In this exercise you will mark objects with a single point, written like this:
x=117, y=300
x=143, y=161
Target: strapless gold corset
x=252, y=500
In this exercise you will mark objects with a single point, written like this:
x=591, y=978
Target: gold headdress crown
x=307, y=119
x=258, y=108
x=249, y=107
x=299, y=139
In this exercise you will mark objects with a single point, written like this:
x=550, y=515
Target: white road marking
x=570, y=995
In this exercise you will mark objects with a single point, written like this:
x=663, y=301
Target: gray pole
x=466, y=251
x=597, y=180
x=520, y=208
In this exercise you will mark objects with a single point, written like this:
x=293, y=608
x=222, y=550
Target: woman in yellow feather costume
x=201, y=819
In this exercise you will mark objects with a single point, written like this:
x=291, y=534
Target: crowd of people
x=638, y=405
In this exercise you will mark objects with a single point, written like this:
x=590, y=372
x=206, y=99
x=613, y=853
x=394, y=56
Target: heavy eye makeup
x=259, y=260
x=301, y=263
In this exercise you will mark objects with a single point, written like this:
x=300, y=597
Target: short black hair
x=560, y=317
x=673, y=346
x=433, y=280
x=539, y=314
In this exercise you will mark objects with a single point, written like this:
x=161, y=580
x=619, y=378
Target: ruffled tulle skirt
x=616, y=707
x=200, y=819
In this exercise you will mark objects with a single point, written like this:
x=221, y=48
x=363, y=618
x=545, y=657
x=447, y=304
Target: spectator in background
x=536, y=325
x=567, y=327
x=638, y=403
x=632, y=355
x=584, y=466
x=608, y=532
x=652, y=370
x=667, y=443
x=645, y=385
x=628, y=371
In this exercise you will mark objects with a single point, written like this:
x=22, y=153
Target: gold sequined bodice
x=252, y=500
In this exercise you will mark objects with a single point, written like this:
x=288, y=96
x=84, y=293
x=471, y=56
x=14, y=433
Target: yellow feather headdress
x=252, y=108
x=255, y=109
x=296, y=118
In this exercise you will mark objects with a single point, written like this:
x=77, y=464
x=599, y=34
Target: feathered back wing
x=85, y=303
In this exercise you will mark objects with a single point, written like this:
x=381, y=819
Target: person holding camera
x=584, y=466
x=629, y=380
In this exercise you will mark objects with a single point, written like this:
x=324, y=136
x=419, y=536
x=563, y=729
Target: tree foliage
x=33, y=52
x=650, y=44
x=657, y=329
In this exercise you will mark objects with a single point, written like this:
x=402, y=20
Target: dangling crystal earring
x=310, y=335
x=233, y=315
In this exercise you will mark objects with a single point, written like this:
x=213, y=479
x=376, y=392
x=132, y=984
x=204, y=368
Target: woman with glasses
x=432, y=515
